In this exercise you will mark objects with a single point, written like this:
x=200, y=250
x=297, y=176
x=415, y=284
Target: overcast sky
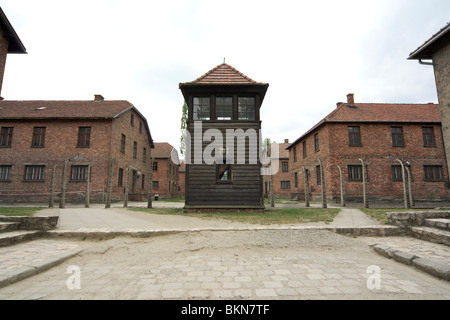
x=312, y=54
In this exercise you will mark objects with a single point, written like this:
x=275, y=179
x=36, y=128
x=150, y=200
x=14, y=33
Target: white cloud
x=312, y=53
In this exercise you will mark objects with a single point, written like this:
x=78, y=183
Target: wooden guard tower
x=223, y=119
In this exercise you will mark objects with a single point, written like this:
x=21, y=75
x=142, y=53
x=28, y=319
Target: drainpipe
x=425, y=63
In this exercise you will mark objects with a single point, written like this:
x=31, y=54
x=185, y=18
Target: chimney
x=98, y=97
x=350, y=98
x=286, y=140
x=338, y=104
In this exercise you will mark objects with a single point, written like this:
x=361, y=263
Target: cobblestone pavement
x=272, y=265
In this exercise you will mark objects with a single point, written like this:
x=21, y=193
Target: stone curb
x=35, y=268
x=102, y=234
x=433, y=267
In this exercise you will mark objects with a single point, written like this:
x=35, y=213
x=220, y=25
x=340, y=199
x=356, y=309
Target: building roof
x=379, y=113
x=164, y=150
x=426, y=50
x=15, y=45
x=283, y=153
x=68, y=110
x=54, y=109
x=224, y=74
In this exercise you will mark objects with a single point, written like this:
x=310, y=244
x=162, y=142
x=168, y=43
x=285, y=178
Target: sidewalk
x=23, y=260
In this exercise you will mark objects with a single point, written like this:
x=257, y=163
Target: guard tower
x=223, y=168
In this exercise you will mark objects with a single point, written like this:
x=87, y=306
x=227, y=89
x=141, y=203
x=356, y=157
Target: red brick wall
x=122, y=125
x=376, y=148
x=168, y=179
x=61, y=144
x=3, y=52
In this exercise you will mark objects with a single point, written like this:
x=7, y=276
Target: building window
x=202, y=109
x=140, y=127
x=134, y=150
x=155, y=185
x=397, y=137
x=120, y=178
x=246, y=108
x=318, y=178
x=38, y=137
x=397, y=173
x=354, y=173
x=34, y=173
x=354, y=136
x=316, y=142
x=428, y=137
x=84, y=137
x=144, y=155
x=433, y=173
x=224, y=173
x=295, y=180
x=284, y=166
x=304, y=149
x=143, y=182
x=6, y=136
x=5, y=173
x=224, y=108
x=295, y=154
x=155, y=166
x=132, y=120
x=122, y=143
x=285, y=184
x=78, y=173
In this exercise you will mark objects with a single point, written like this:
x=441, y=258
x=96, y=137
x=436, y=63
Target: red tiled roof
x=380, y=112
x=425, y=50
x=162, y=150
x=42, y=109
x=386, y=112
x=224, y=74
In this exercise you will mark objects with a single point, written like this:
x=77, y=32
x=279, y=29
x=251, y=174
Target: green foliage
x=184, y=117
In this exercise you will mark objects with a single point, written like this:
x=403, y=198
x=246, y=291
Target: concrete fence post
x=410, y=191
x=150, y=185
x=62, y=203
x=88, y=178
x=322, y=182
x=305, y=179
x=52, y=188
x=341, y=179
x=364, y=177
x=127, y=187
x=109, y=186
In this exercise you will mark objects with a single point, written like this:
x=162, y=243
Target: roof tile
x=224, y=74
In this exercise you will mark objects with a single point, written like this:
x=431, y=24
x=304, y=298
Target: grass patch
x=271, y=216
x=19, y=211
x=380, y=213
x=169, y=200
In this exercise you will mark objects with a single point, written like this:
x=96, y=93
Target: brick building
x=9, y=43
x=182, y=178
x=282, y=178
x=388, y=140
x=437, y=50
x=166, y=171
x=62, y=143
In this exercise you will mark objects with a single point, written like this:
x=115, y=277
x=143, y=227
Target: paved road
x=265, y=264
